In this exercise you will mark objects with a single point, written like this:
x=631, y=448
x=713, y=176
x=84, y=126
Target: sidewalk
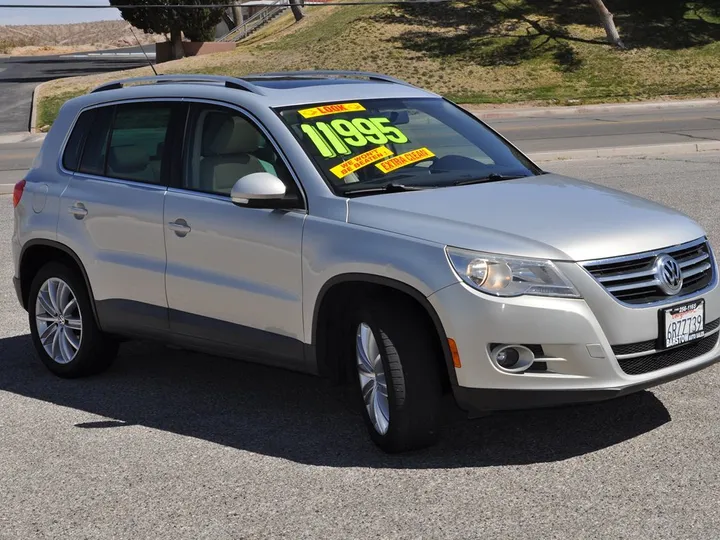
x=17, y=150
x=627, y=151
x=21, y=137
x=486, y=112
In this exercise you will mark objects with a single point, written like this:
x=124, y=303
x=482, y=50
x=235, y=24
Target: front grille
x=651, y=344
x=712, y=325
x=672, y=357
x=631, y=279
x=634, y=348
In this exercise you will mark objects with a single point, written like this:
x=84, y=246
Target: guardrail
x=256, y=21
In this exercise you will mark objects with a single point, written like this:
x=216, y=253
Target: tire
x=409, y=362
x=76, y=347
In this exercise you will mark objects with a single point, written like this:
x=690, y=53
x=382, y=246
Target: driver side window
x=222, y=147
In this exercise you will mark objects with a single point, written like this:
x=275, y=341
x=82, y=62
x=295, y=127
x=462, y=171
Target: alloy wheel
x=372, y=378
x=59, y=320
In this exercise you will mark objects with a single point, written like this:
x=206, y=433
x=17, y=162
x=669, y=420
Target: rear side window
x=73, y=149
x=93, y=154
x=137, y=142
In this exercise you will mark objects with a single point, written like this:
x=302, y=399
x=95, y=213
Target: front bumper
x=577, y=337
x=479, y=400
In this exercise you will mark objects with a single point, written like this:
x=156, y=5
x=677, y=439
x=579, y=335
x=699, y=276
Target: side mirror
x=261, y=190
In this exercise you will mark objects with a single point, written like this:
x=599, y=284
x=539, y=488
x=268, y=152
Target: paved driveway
x=171, y=444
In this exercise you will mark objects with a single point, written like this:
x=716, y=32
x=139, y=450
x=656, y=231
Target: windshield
x=365, y=146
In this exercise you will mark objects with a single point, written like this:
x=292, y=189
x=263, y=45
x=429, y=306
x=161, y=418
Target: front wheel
x=395, y=365
x=63, y=329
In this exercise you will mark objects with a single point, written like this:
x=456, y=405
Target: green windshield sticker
x=338, y=136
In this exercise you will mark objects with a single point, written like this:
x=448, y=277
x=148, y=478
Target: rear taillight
x=18, y=192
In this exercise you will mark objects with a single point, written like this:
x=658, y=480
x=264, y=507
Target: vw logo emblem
x=668, y=274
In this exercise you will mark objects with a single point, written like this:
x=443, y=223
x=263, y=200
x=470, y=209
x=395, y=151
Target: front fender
x=335, y=251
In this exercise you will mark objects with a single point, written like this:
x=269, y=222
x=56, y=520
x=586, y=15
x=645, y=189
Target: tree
x=237, y=15
x=296, y=8
x=198, y=24
x=606, y=18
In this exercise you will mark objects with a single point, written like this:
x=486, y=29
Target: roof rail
x=229, y=82
x=331, y=73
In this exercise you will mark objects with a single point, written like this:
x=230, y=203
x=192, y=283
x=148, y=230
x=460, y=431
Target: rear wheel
x=395, y=366
x=63, y=329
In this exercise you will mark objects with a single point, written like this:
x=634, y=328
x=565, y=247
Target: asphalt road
x=171, y=445
x=147, y=49
x=20, y=75
x=627, y=128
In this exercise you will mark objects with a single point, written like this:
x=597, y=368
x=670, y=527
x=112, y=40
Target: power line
x=200, y=6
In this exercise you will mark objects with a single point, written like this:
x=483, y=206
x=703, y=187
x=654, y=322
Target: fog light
x=507, y=358
x=512, y=358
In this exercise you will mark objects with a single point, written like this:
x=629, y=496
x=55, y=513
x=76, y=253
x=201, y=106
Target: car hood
x=546, y=216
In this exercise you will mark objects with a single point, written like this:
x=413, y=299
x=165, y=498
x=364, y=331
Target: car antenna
x=143, y=50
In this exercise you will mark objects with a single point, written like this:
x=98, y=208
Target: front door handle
x=78, y=210
x=180, y=227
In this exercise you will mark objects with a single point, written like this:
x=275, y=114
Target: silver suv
x=357, y=227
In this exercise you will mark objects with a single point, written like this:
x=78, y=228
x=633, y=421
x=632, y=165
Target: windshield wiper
x=392, y=187
x=493, y=177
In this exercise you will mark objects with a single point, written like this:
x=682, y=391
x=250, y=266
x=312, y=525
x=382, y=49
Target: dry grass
x=500, y=66
x=62, y=38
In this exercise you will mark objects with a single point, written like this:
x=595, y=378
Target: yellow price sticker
x=389, y=165
x=360, y=161
x=324, y=110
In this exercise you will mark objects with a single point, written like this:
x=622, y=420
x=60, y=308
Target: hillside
x=61, y=38
x=476, y=52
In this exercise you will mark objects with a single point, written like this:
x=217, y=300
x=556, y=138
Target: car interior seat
x=156, y=161
x=227, y=145
x=131, y=162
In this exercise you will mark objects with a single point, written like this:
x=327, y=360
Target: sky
x=13, y=16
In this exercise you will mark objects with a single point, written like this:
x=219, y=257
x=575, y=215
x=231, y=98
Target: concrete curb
x=6, y=189
x=34, y=108
x=626, y=151
x=560, y=110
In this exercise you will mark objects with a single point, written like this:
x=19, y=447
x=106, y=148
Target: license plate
x=684, y=323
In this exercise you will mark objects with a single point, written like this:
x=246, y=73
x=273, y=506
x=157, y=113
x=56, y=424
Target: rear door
x=111, y=213
x=234, y=274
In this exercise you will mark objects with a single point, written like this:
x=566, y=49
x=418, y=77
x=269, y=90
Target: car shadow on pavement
x=303, y=418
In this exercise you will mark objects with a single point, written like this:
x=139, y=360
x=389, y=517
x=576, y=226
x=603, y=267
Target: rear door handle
x=180, y=227
x=78, y=210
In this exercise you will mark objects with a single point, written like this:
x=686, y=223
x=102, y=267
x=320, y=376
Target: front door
x=234, y=273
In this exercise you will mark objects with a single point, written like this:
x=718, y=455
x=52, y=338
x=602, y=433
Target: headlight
x=500, y=275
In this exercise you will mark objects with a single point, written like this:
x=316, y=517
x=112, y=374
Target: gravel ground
x=171, y=445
